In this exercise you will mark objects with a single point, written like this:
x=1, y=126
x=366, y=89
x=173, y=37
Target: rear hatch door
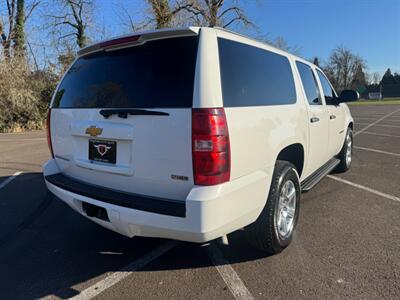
x=121, y=118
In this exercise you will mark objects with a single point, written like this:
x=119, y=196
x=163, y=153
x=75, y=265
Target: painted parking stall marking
x=9, y=179
x=365, y=188
x=116, y=277
x=376, y=150
x=367, y=119
x=381, y=125
x=377, y=121
x=380, y=134
x=228, y=274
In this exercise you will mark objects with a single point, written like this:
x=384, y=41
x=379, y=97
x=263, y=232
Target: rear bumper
x=207, y=213
x=139, y=202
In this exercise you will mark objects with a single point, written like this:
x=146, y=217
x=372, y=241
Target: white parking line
x=381, y=134
x=9, y=179
x=362, y=187
x=376, y=150
x=228, y=274
x=373, y=123
x=116, y=277
x=386, y=120
x=370, y=115
x=368, y=118
x=381, y=125
x=393, y=121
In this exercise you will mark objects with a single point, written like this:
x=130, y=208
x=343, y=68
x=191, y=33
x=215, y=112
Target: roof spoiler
x=137, y=39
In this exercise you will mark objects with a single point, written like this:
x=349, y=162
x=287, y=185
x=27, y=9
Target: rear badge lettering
x=179, y=177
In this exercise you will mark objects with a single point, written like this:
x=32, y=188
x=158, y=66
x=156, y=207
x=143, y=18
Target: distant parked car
x=194, y=133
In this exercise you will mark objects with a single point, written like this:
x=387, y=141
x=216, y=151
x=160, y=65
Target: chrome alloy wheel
x=349, y=149
x=285, y=215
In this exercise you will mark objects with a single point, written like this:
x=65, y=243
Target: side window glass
x=309, y=83
x=252, y=76
x=326, y=87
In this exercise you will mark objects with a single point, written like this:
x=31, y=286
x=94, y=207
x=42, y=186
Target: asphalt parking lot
x=347, y=243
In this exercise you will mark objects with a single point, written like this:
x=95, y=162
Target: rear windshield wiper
x=124, y=112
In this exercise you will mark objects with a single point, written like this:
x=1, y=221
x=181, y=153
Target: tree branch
x=66, y=23
x=231, y=22
x=34, y=5
x=236, y=9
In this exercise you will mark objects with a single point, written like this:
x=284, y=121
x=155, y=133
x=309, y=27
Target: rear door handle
x=332, y=117
x=314, y=119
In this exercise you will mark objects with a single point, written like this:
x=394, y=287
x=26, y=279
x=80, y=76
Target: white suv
x=192, y=134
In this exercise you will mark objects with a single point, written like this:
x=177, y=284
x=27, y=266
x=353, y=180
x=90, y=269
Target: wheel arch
x=293, y=153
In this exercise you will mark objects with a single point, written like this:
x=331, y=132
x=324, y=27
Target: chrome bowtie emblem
x=93, y=131
x=102, y=149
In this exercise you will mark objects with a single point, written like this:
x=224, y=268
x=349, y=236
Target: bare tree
x=170, y=13
x=279, y=42
x=316, y=61
x=282, y=44
x=126, y=19
x=162, y=13
x=16, y=19
x=343, y=66
x=165, y=15
x=216, y=13
x=3, y=36
x=7, y=38
x=19, y=29
x=74, y=20
x=376, y=78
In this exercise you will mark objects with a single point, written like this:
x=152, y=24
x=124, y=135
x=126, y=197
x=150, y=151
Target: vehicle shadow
x=48, y=249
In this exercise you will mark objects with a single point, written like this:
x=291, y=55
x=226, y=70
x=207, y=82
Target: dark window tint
x=309, y=83
x=327, y=89
x=157, y=74
x=252, y=76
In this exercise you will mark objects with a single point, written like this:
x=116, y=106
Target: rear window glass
x=251, y=76
x=157, y=74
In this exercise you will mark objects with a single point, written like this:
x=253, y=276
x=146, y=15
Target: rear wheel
x=346, y=154
x=273, y=230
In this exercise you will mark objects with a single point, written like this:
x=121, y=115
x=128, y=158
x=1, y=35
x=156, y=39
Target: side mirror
x=348, y=96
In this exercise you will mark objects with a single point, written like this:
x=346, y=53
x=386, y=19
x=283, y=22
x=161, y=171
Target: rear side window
x=157, y=74
x=252, y=76
x=309, y=83
x=326, y=87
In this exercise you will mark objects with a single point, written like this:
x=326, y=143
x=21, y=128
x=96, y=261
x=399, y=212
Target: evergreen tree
x=397, y=78
x=387, y=78
x=359, y=81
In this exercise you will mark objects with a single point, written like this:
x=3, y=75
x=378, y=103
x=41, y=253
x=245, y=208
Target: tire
x=346, y=154
x=265, y=234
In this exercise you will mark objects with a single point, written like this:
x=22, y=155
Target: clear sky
x=370, y=28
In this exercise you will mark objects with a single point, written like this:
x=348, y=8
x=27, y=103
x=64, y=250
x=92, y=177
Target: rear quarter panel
x=258, y=134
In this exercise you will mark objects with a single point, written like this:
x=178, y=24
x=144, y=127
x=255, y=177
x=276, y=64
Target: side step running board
x=308, y=183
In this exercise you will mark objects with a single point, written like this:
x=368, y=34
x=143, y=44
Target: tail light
x=210, y=146
x=49, y=132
